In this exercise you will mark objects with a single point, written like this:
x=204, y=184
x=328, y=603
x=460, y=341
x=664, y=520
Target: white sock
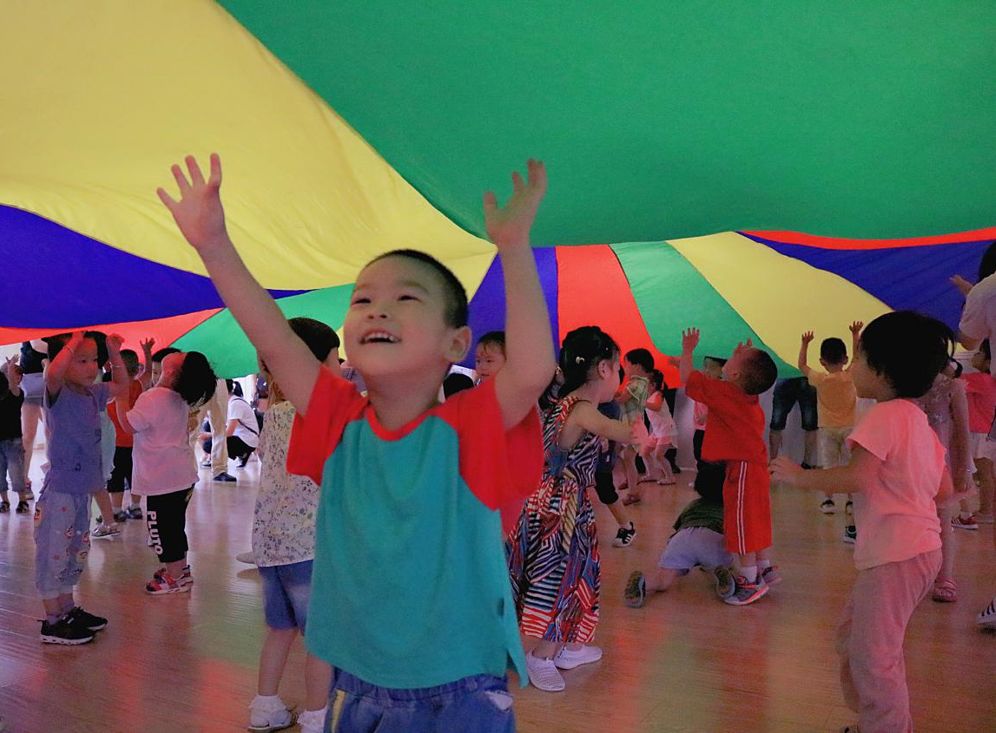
x=763, y=565
x=750, y=573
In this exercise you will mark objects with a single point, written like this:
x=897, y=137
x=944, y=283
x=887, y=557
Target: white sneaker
x=986, y=619
x=268, y=714
x=569, y=659
x=105, y=532
x=246, y=557
x=543, y=674
x=312, y=721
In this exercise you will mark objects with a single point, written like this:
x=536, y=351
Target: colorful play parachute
x=351, y=128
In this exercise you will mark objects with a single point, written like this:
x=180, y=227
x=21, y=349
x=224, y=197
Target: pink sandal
x=945, y=591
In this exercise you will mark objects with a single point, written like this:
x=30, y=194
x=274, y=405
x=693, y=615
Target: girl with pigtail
x=553, y=549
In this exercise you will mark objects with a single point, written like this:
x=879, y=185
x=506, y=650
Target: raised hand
x=963, y=285
x=147, y=345
x=856, y=328
x=807, y=338
x=199, y=213
x=13, y=372
x=744, y=346
x=689, y=339
x=114, y=343
x=509, y=225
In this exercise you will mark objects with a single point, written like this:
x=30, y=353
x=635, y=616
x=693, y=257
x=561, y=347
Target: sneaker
x=987, y=619
x=624, y=537
x=571, y=658
x=65, y=632
x=121, y=516
x=960, y=522
x=725, y=582
x=134, y=512
x=246, y=557
x=636, y=590
x=981, y=518
x=945, y=591
x=243, y=461
x=105, y=532
x=29, y=495
x=4, y=506
x=543, y=674
x=827, y=506
x=206, y=463
x=312, y=721
x=163, y=583
x=22, y=507
x=746, y=593
x=849, y=508
x=186, y=577
x=224, y=476
x=771, y=576
x=850, y=534
x=269, y=714
x=87, y=620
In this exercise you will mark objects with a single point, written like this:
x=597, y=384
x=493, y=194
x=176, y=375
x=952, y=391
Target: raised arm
x=529, y=363
x=686, y=364
x=14, y=374
x=201, y=219
x=119, y=374
x=55, y=374
x=855, y=329
x=807, y=339
x=146, y=377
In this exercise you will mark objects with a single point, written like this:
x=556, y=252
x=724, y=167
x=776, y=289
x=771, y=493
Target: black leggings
x=709, y=477
x=605, y=487
x=166, y=518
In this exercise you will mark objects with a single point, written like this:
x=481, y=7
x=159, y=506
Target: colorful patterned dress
x=553, y=549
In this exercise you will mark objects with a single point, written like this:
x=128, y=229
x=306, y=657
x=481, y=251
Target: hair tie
x=579, y=360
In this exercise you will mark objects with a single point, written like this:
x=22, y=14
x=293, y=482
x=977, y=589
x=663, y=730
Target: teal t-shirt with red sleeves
x=410, y=584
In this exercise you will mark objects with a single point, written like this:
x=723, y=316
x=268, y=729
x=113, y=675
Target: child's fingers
x=196, y=177
x=167, y=200
x=517, y=183
x=215, y=170
x=181, y=179
x=490, y=203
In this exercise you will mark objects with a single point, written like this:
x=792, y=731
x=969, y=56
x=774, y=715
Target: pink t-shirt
x=699, y=415
x=895, y=514
x=980, y=389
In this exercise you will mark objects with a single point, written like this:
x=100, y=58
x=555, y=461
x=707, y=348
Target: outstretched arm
x=807, y=339
x=852, y=478
x=856, y=328
x=686, y=364
x=13, y=373
x=529, y=360
x=201, y=219
x=119, y=374
x=146, y=377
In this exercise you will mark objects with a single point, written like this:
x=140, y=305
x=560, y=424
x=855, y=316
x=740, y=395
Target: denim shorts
x=477, y=704
x=787, y=393
x=286, y=590
x=33, y=386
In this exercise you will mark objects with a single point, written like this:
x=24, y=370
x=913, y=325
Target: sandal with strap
x=945, y=591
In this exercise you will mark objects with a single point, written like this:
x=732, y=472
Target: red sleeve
x=710, y=392
x=502, y=467
x=334, y=403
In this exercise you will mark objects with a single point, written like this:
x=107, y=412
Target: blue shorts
x=62, y=541
x=695, y=547
x=286, y=591
x=33, y=386
x=787, y=393
x=478, y=704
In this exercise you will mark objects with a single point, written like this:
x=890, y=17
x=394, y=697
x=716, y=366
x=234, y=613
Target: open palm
x=510, y=224
x=199, y=213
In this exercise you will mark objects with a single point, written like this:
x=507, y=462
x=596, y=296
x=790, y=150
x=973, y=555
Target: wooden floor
x=686, y=662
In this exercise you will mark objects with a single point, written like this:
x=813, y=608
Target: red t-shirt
x=124, y=439
x=980, y=389
x=735, y=425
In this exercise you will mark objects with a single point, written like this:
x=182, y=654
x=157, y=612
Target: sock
x=749, y=572
x=53, y=618
x=965, y=515
x=763, y=565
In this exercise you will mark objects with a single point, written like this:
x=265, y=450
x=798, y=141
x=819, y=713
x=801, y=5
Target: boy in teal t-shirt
x=410, y=597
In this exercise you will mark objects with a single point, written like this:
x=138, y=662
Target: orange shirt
x=123, y=438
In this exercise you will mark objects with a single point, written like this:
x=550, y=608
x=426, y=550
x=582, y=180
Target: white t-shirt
x=661, y=423
x=239, y=409
x=978, y=320
x=163, y=457
x=895, y=515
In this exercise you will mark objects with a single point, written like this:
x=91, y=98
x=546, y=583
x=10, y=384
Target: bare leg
x=273, y=657
x=661, y=579
x=117, y=499
x=632, y=475
x=947, y=551
x=546, y=649
x=317, y=683
x=103, y=500
x=810, y=455
x=775, y=443
x=30, y=415
x=619, y=513
x=987, y=484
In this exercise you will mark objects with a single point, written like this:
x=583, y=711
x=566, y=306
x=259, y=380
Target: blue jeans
x=478, y=704
x=62, y=541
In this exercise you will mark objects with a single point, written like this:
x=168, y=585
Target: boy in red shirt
x=735, y=435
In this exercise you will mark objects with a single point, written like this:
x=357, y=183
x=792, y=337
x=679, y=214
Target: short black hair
x=987, y=266
x=319, y=337
x=234, y=388
x=833, y=351
x=582, y=351
x=758, y=372
x=55, y=344
x=456, y=382
x=641, y=358
x=493, y=338
x=908, y=349
x=163, y=353
x=196, y=381
x=456, y=296
x=657, y=379
x=131, y=362
x=718, y=360
x=986, y=349
x=4, y=385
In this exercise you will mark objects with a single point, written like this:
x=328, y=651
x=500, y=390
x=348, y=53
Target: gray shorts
x=33, y=386
x=695, y=546
x=62, y=541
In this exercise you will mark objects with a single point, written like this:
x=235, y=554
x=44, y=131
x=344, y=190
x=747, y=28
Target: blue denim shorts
x=787, y=393
x=286, y=590
x=478, y=704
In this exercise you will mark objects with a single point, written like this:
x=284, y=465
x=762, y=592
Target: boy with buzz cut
x=735, y=435
x=836, y=401
x=410, y=595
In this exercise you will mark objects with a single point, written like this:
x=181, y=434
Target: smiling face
x=488, y=359
x=82, y=370
x=396, y=323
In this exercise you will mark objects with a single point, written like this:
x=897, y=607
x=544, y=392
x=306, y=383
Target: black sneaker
x=86, y=620
x=624, y=537
x=134, y=512
x=22, y=507
x=225, y=476
x=4, y=506
x=64, y=631
x=120, y=516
